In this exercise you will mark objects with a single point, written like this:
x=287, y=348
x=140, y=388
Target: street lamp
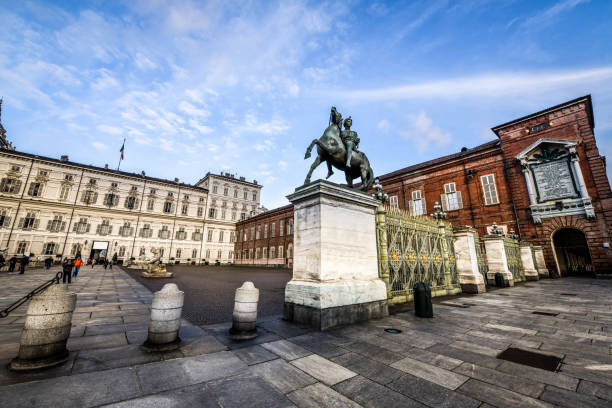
x=438, y=214
x=378, y=193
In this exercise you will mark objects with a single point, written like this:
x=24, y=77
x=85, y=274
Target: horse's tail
x=370, y=179
x=309, y=150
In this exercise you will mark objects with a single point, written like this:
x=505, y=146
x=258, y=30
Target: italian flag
x=122, y=149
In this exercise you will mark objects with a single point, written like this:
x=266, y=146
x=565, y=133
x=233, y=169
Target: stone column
x=383, y=256
x=470, y=278
x=530, y=189
x=540, y=262
x=496, y=259
x=165, y=323
x=46, y=330
x=335, y=267
x=531, y=273
x=581, y=184
x=245, y=312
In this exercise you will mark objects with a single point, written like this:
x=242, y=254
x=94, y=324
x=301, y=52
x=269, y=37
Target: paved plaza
x=447, y=361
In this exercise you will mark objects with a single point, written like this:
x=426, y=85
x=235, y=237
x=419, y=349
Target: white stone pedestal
x=531, y=273
x=335, y=265
x=540, y=262
x=496, y=259
x=470, y=278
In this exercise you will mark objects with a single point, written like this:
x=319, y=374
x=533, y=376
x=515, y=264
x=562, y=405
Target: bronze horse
x=331, y=150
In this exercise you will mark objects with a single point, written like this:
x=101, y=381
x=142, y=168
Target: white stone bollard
x=46, y=330
x=531, y=273
x=165, y=321
x=540, y=262
x=470, y=279
x=245, y=312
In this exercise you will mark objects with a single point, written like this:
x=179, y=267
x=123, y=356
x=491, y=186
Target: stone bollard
x=245, y=312
x=165, y=319
x=46, y=330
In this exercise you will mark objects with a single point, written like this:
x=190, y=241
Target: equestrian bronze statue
x=338, y=148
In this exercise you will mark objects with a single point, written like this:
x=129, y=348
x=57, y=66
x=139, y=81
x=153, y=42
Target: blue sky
x=244, y=86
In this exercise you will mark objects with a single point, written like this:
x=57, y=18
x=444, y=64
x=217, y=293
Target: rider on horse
x=350, y=140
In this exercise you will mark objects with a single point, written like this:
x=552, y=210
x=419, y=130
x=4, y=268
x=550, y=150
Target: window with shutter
x=417, y=205
x=451, y=199
x=489, y=189
x=393, y=203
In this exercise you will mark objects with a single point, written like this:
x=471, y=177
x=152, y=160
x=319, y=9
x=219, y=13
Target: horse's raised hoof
x=306, y=156
x=329, y=174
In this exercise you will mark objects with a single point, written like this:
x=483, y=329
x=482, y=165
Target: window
x=114, y=185
x=68, y=177
x=223, y=214
x=208, y=254
x=233, y=215
x=134, y=189
x=242, y=216
x=35, y=189
x=49, y=248
x=245, y=195
x=252, y=236
x=489, y=190
x=220, y=236
x=201, y=199
x=179, y=252
x=170, y=194
x=231, y=255
x=210, y=236
x=265, y=253
x=56, y=224
x=89, y=197
x=196, y=235
x=254, y=196
x=29, y=222
x=184, y=209
x=126, y=230
x=540, y=126
x=258, y=253
x=121, y=251
x=161, y=251
x=146, y=231
x=111, y=199
x=211, y=212
x=150, y=204
x=194, y=253
x=250, y=255
x=142, y=251
x=290, y=251
x=105, y=228
x=289, y=227
x=92, y=181
x=244, y=237
x=280, y=251
x=10, y=185
x=21, y=247
x=152, y=191
x=81, y=227
x=65, y=190
x=200, y=211
x=417, y=204
x=273, y=230
x=451, y=199
x=225, y=191
x=164, y=232
x=266, y=231
x=258, y=232
x=232, y=236
x=167, y=207
x=131, y=203
x=281, y=226
x=5, y=220
x=15, y=168
x=235, y=193
x=181, y=234
x=393, y=202
x=219, y=254
x=186, y=196
x=272, y=252
x=76, y=249
x=214, y=189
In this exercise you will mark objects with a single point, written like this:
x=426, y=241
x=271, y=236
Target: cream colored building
x=51, y=207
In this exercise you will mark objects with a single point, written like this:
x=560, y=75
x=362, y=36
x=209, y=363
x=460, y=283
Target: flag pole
x=121, y=157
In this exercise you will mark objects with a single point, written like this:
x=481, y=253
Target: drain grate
x=529, y=358
x=546, y=313
x=568, y=294
x=393, y=331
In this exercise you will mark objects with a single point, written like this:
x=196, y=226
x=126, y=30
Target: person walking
x=12, y=263
x=78, y=262
x=48, y=262
x=67, y=270
x=23, y=262
x=105, y=263
x=93, y=263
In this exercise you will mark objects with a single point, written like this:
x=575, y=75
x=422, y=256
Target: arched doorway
x=572, y=252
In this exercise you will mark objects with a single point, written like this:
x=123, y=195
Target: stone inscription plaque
x=554, y=180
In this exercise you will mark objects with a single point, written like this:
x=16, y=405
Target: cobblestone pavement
x=209, y=290
x=447, y=361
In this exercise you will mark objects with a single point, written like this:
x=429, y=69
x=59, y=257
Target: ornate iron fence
x=513, y=256
x=415, y=249
x=483, y=268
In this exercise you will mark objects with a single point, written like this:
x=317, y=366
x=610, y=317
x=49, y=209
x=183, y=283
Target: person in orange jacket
x=78, y=262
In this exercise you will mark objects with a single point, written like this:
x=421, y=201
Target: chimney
x=255, y=182
x=241, y=178
x=64, y=158
x=106, y=166
x=143, y=173
x=176, y=179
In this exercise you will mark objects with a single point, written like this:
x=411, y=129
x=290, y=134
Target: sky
x=244, y=86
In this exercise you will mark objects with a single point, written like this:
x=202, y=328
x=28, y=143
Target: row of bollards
x=49, y=320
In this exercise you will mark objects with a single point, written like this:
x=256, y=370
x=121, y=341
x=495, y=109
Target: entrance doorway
x=572, y=252
x=99, y=250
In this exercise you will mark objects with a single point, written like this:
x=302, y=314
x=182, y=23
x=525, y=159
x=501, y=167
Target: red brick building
x=542, y=177
x=266, y=239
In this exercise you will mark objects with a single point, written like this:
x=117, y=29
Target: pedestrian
x=23, y=262
x=2, y=261
x=48, y=262
x=105, y=263
x=93, y=263
x=78, y=262
x=12, y=263
x=66, y=270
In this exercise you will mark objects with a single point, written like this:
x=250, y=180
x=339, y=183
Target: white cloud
x=282, y=164
x=423, y=132
x=192, y=110
x=203, y=129
x=501, y=84
x=99, y=146
x=111, y=130
x=384, y=126
x=104, y=80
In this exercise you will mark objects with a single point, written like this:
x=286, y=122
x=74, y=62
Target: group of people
x=70, y=268
x=23, y=261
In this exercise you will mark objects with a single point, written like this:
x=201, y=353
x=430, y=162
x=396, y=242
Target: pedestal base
x=242, y=334
x=323, y=319
x=532, y=277
x=473, y=287
x=24, y=365
x=152, y=347
x=156, y=271
x=508, y=278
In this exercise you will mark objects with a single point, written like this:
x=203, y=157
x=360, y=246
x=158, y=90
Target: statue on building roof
x=338, y=148
x=4, y=144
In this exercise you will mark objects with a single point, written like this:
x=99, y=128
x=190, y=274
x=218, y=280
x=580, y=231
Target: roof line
x=548, y=110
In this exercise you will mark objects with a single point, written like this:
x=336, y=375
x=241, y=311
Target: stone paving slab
x=323, y=369
x=282, y=376
x=319, y=395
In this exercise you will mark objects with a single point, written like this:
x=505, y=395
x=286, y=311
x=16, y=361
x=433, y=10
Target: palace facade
x=57, y=207
x=541, y=177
